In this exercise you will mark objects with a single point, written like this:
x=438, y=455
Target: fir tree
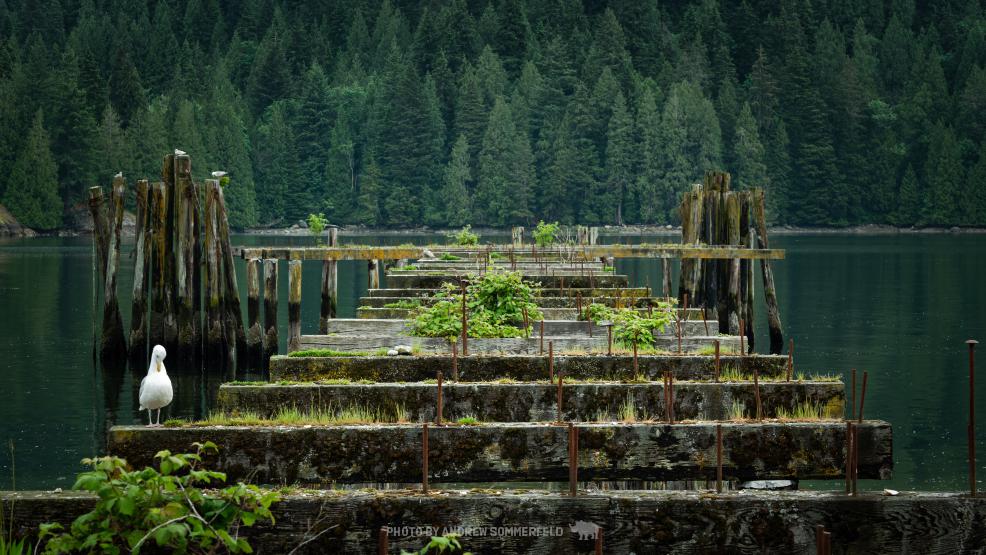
x=455, y=192
x=748, y=152
x=619, y=162
x=32, y=187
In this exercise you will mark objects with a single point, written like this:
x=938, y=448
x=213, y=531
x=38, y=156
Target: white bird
x=179, y=152
x=219, y=173
x=155, y=389
x=118, y=174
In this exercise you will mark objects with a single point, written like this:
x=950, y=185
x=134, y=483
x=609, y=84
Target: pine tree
x=455, y=193
x=619, y=162
x=748, y=152
x=909, y=199
x=943, y=175
x=32, y=187
x=276, y=160
x=973, y=199
x=644, y=204
x=368, y=207
x=497, y=188
x=125, y=90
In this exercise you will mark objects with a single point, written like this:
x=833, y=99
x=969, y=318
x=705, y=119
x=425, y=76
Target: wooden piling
x=188, y=328
x=231, y=296
x=270, y=309
x=164, y=328
x=100, y=228
x=730, y=314
x=254, y=332
x=517, y=236
x=294, y=305
x=142, y=258
x=113, y=343
x=769, y=292
x=215, y=332
x=330, y=292
x=666, y=278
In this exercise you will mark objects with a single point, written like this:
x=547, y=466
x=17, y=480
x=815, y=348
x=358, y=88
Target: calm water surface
x=899, y=307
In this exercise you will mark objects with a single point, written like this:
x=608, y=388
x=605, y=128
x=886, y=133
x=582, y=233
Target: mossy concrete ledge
x=519, y=452
x=416, y=280
x=527, y=402
x=632, y=522
x=519, y=367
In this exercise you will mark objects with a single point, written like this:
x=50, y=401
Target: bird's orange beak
x=159, y=366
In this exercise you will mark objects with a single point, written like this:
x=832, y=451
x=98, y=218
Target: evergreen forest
x=398, y=113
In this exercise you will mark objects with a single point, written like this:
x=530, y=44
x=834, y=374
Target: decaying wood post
x=330, y=289
x=666, y=278
x=164, y=328
x=593, y=235
x=691, y=221
x=113, y=344
x=254, y=332
x=270, y=310
x=188, y=332
x=769, y=292
x=581, y=235
x=294, y=305
x=100, y=232
x=373, y=274
x=235, y=336
x=517, y=236
x=215, y=333
x=142, y=258
x=731, y=313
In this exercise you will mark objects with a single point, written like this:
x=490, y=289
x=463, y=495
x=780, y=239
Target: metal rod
x=439, y=407
x=671, y=394
x=717, y=360
x=972, y=416
x=599, y=541
x=742, y=331
x=424, y=457
x=465, y=323
x=756, y=392
x=719, y=458
x=848, y=456
x=609, y=340
x=862, y=397
x=542, y=337
x=827, y=542
x=560, y=380
x=852, y=404
x=854, y=441
x=790, y=360
x=551, y=361
x=705, y=320
x=573, y=459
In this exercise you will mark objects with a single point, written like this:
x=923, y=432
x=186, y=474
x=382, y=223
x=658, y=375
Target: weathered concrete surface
x=569, y=314
x=625, y=292
x=553, y=328
x=492, y=402
x=518, y=452
x=632, y=522
x=518, y=367
x=420, y=280
x=569, y=302
x=509, y=346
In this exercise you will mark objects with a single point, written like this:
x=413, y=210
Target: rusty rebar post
x=827, y=542
x=717, y=360
x=551, y=362
x=848, y=456
x=718, y=458
x=635, y=364
x=819, y=542
x=742, y=332
x=465, y=323
x=972, y=416
x=439, y=405
x=599, y=541
x=862, y=396
x=573, y=459
x=527, y=328
x=588, y=323
x=756, y=392
x=854, y=433
x=609, y=340
x=559, y=399
x=542, y=337
x=671, y=394
x=852, y=401
x=790, y=360
x=424, y=457
x=383, y=541
x=705, y=320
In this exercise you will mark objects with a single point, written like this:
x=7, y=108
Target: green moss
x=329, y=353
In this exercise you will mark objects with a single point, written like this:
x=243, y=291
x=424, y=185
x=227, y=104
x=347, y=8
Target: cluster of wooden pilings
x=184, y=287
x=712, y=214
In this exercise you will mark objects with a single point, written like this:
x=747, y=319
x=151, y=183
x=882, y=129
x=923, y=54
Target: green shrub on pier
x=546, y=235
x=162, y=507
x=464, y=237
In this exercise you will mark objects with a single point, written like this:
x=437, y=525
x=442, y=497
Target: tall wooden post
x=235, y=336
x=517, y=236
x=373, y=279
x=666, y=277
x=164, y=329
x=113, y=344
x=188, y=338
x=330, y=292
x=138, y=313
x=732, y=311
x=294, y=305
x=769, y=292
x=100, y=232
x=270, y=310
x=593, y=235
x=254, y=332
x=215, y=333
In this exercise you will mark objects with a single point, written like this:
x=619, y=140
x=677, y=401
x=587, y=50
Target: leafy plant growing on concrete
x=316, y=225
x=464, y=237
x=546, y=234
x=162, y=507
x=447, y=543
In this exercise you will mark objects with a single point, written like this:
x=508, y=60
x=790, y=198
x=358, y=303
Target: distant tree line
x=499, y=112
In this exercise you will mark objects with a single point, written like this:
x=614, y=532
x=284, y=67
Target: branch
x=152, y=530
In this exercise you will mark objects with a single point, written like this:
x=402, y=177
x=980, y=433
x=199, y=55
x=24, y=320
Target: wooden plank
x=330, y=287
x=142, y=258
x=520, y=452
x=235, y=336
x=254, y=332
x=215, y=336
x=294, y=305
x=113, y=343
x=270, y=309
x=188, y=329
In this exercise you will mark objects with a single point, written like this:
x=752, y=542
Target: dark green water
x=899, y=307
